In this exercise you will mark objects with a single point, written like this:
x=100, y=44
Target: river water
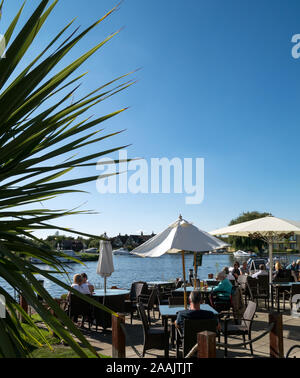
x=132, y=268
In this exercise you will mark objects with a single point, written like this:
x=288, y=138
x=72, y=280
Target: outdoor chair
x=80, y=308
x=187, y=338
x=295, y=289
x=212, y=283
x=264, y=289
x=163, y=297
x=154, y=337
x=251, y=289
x=281, y=292
x=176, y=301
x=219, y=303
x=242, y=329
x=137, y=288
x=149, y=302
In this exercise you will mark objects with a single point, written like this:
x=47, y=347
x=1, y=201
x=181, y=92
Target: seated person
x=292, y=266
x=224, y=287
x=262, y=272
x=194, y=312
x=228, y=273
x=279, y=273
x=244, y=268
x=236, y=270
x=77, y=283
x=87, y=288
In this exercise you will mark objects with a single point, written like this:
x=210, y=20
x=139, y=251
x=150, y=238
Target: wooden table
x=170, y=312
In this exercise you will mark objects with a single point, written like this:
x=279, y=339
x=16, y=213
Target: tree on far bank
x=245, y=243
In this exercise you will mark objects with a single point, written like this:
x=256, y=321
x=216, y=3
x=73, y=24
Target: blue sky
x=218, y=82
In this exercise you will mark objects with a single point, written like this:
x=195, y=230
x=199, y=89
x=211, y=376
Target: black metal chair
x=242, y=329
x=154, y=337
x=187, y=339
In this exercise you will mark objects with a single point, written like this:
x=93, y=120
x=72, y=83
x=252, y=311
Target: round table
x=114, y=299
x=110, y=292
x=159, y=283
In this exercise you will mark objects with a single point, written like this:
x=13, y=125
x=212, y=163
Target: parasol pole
x=195, y=270
x=184, y=284
x=271, y=264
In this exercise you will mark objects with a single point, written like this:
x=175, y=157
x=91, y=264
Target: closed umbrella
x=105, y=266
x=179, y=237
x=268, y=229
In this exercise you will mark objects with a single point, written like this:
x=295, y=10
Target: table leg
x=272, y=297
x=166, y=337
x=278, y=303
x=173, y=334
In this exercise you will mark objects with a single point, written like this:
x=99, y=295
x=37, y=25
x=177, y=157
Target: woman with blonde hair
x=278, y=271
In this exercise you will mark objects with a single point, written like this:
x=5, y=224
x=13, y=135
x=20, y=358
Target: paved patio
x=102, y=341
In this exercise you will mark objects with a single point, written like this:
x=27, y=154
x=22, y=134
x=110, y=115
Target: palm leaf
x=36, y=133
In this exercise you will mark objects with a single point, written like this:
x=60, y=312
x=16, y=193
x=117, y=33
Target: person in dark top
x=279, y=273
x=236, y=270
x=194, y=312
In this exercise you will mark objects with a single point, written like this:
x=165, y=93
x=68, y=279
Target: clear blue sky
x=218, y=82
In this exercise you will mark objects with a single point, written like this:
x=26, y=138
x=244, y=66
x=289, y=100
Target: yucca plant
x=31, y=134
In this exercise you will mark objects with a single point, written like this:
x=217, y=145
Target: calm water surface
x=132, y=268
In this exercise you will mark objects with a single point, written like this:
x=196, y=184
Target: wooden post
x=206, y=344
x=118, y=337
x=24, y=305
x=276, y=335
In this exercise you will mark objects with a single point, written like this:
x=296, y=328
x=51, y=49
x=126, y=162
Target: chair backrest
x=249, y=314
x=143, y=316
x=178, y=284
x=177, y=293
x=279, y=279
x=263, y=284
x=252, y=286
x=138, y=288
x=194, y=326
x=212, y=283
x=152, y=298
x=295, y=289
x=78, y=306
x=173, y=301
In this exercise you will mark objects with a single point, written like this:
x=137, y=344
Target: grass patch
x=59, y=350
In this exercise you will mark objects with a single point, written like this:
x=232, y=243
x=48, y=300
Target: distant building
x=70, y=244
x=293, y=244
x=129, y=241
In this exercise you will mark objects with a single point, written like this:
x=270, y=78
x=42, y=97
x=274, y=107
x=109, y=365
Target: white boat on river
x=121, y=251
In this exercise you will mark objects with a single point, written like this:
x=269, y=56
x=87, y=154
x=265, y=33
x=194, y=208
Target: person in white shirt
x=77, y=283
x=229, y=275
x=86, y=286
x=262, y=272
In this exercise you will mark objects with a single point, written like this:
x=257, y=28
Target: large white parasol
x=179, y=237
x=105, y=266
x=268, y=229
